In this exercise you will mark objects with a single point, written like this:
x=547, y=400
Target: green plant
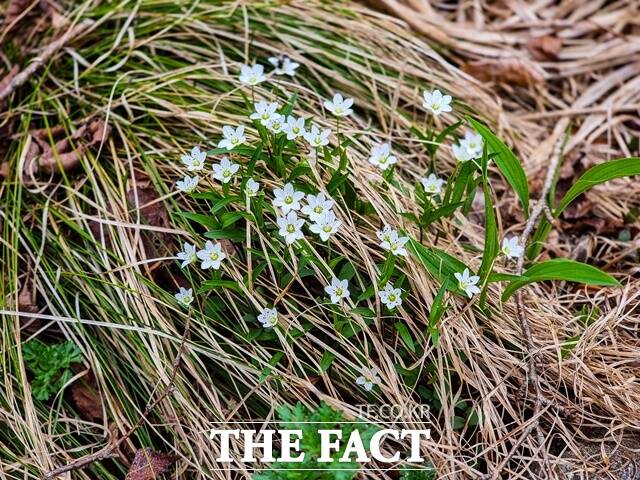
x=309, y=421
x=50, y=365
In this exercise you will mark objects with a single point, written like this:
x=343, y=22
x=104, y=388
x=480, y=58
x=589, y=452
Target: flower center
x=252, y=79
x=317, y=210
x=392, y=297
x=295, y=130
x=265, y=116
x=327, y=229
x=214, y=256
x=435, y=106
x=339, y=110
x=463, y=285
x=339, y=292
x=235, y=140
x=226, y=173
x=196, y=163
x=291, y=228
x=288, y=200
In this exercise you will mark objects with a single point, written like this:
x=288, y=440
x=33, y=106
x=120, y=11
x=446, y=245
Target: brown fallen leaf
x=510, y=71
x=4, y=83
x=544, y=48
x=15, y=9
x=149, y=464
x=65, y=154
x=86, y=398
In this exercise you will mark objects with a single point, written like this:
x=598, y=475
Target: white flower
x=232, y=138
x=511, y=247
x=390, y=296
x=187, y=255
x=188, y=184
x=317, y=138
x=461, y=153
x=211, y=256
x=384, y=235
x=287, y=198
x=268, y=317
x=264, y=112
x=252, y=75
x=195, y=160
x=338, y=290
x=184, y=296
x=394, y=243
x=473, y=142
x=339, y=106
x=316, y=206
x=381, y=156
x=467, y=282
x=432, y=184
x=284, y=65
x=369, y=378
x=225, y=170
x=290, y=227
x=436, y=102
x=275, y=124
x=251, y=188
x=326, y=225
x=294, y=127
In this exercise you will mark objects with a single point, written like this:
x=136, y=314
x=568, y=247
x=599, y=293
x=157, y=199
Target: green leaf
x=208, y=285
x=444, y=211
x=206, y=220
x=561, y=269
x=507, y=162
x=404, y=333
x=326, y=360
x=435, y=314
x=437, y=262
x=604, y=172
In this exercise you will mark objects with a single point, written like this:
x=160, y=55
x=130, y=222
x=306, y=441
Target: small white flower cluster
x=470, y=147
x=369, y=378
x=195, y=162
x=211, y=255
x=318, y=209
x=254, y=74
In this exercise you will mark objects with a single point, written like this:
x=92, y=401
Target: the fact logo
x=353, y=447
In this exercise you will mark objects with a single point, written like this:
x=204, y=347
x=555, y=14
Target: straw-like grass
x=163, y=77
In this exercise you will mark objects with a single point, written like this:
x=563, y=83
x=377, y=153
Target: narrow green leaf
x=435, y=314
x=404, y=333
x=209, y=285
x=507, y=162
x=623, y=167
x=437, y=262
x=326, y=360
x=206, y=220
x=561, y=269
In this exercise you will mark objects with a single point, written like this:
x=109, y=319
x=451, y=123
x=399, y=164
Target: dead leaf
x=86, y=398
x=510, y=71
x=544, y=48
x=65, y=154
x=149, y=464
x=15, y=9
x=6, y=80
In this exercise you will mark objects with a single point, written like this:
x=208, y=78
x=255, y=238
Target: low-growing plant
x=50, y=365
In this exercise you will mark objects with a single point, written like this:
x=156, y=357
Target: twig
x=541, y=208
x=41, y=59
x=111, y=451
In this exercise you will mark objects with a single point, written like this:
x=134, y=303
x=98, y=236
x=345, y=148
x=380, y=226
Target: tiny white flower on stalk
x=436, y=102
x=268, y=317
x=225, y=170
x=264, y=112
x=337, y=290
x=381, y=156
x=251, y=188
x=467, y=282
x=473, y=142
x=187, y=255
x=511, y=247
x=294, y=127
x=184, y=296
x=384, y=235
x=390, y=296
x=339, y=106
x=326, y=225
x=275, y=125
x=369, y=378
x=284, y=65
x=432, y=184
x=232, y=137
x=461, y=153
x=194, y=161
x=287, y=198
x=252, y=74
x=316, y=206
x=290, y=227
x=188, y=184
x=394, y=243
x=211, y=255
x=317, y=138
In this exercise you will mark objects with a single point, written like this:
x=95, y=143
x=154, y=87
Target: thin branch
x=44, y=57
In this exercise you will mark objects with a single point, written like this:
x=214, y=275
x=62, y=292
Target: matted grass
x=163, y=76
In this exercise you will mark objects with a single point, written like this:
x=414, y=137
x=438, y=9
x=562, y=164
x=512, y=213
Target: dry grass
x=78, y=242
